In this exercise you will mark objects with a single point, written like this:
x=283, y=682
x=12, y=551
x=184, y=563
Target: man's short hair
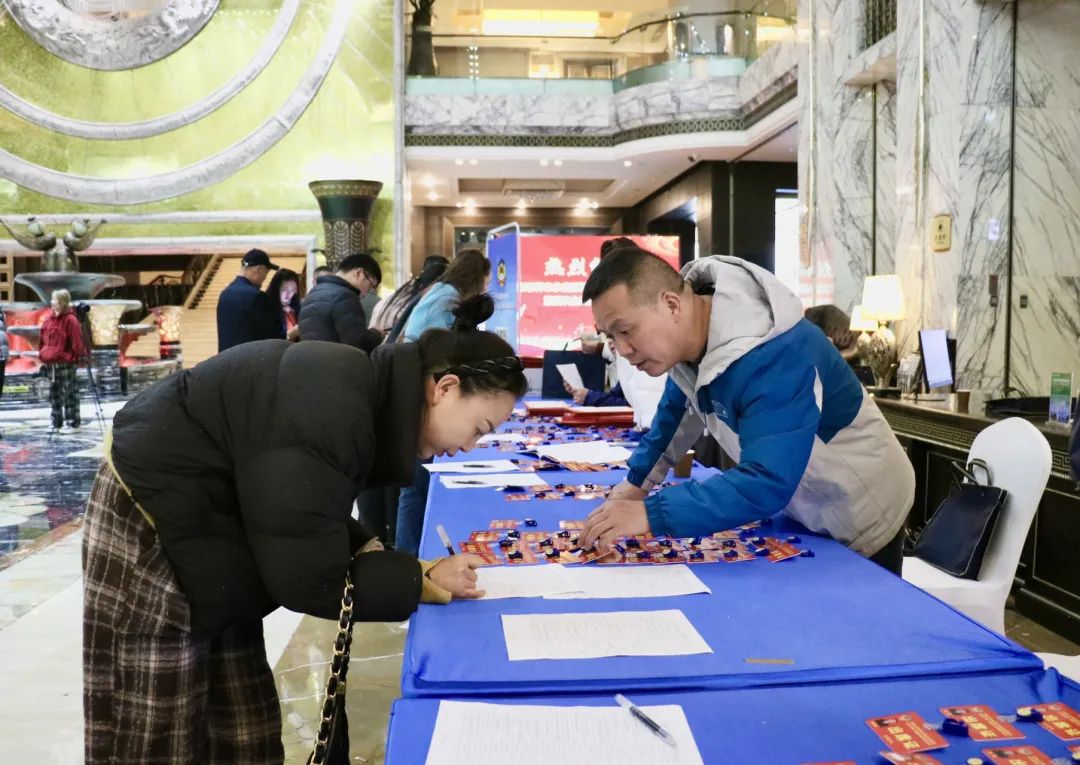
x=362, y=260
x=320, y=270
x=645, y=275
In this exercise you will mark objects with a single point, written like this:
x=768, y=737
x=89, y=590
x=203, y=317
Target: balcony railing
x=880, y=20
x=684, y=46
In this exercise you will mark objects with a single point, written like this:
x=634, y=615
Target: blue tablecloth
x=792, y=725
x=832, y=617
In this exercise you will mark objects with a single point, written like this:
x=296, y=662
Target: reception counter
x=1047, y=585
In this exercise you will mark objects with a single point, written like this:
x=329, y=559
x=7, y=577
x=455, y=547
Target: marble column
x=885, y=178
x=954, y=93
x=835, y=155
x=1045, y=334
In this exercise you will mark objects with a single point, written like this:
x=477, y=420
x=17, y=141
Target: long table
x=830, y=618
x=793, y=724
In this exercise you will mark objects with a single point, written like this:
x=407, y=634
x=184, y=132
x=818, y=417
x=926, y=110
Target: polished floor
x=45, y=477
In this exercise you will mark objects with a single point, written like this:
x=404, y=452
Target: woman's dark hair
x=483, y=361
x=468, y=273
x=281, y=276
x=834, y=323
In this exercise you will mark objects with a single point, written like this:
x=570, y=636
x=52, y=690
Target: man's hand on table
x=615, y=518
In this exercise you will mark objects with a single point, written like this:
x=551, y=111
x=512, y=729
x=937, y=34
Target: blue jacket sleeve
x=778, y=416
x=613, y=397
x=675, y=427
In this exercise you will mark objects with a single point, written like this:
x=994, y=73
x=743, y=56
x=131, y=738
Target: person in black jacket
x=244, y=312
x=332, y=310
x=245, y=506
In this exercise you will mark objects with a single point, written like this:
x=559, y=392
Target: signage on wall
x=942, y=233
x=1060, y=396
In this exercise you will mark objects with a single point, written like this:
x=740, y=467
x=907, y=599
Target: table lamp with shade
x=882, y=302
x=862, y=325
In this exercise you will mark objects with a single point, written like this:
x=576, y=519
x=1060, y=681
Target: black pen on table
x=645, y=720
x=444, y=538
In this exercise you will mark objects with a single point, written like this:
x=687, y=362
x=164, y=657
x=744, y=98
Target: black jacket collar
x=337, y=281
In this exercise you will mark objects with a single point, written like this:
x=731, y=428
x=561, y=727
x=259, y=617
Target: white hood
x=750, y=306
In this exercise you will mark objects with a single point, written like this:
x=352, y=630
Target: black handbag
x=956, y=537
x=332, y=739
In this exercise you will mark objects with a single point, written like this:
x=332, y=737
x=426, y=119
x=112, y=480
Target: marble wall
x=1045, y=334
x=835, y=155
x=885, y=178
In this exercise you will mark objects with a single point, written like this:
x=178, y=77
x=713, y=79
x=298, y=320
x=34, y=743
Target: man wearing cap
x=244, y=312
x=332, y=311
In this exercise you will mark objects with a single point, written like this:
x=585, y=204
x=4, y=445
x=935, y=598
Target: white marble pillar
x=1046, y=245
x=835, y=155
x=954, y=92
x=885, y=178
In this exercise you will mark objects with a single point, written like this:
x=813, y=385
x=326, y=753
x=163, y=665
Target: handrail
x=199, y=287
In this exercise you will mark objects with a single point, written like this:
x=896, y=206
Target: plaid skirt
x=153, y=692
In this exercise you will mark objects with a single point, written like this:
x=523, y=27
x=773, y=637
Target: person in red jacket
x=61, y=349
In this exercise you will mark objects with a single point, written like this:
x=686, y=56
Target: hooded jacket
x=248, y=465
x=62, y=339
x=783, y=403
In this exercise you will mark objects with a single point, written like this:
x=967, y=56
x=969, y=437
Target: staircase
x=198, y=327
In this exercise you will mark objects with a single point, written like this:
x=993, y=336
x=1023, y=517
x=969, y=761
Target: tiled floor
x=44, y=481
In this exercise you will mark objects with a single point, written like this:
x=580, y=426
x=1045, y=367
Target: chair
x=1019, y=459
x=1068, y=666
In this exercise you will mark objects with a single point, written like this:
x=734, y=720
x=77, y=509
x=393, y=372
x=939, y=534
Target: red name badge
x=1060, y=719
x=1017, y=755
x=983, y=723
x=906, y=733
x=909, y=759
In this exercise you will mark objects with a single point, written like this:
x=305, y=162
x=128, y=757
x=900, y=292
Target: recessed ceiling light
x=474, y=162
x=627, y=163
x=558, y=163
x=432, y=196
x=521, y=205
x=594, y=205
x=543, y=163
x=427, y=182
x=459, y=162
x=459, y=205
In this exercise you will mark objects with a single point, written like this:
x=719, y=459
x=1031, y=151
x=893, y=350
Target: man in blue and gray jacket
x=768, y=386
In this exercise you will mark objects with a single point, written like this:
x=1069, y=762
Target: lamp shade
x=859, y=322
x=883, y=298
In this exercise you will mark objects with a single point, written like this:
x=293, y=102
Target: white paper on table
x=473, y=466
x=571, y=374
x=601, y=410
x=594, y=452
x=601, y=634
x=536, y=581
x=596, y=735
x=546, y=404
x=629, y=582
x=501, y=438
x=489, y=480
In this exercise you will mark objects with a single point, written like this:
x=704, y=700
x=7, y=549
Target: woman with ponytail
x=226, y=493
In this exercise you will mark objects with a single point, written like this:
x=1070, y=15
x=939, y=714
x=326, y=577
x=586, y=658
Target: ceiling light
x=432, y=196
x=544, y=163
x=474, y=162
x=427, y=182
x=521, y=205
x=627, y=163
x=558, y=163
x=459, y=205
x=516, y=23
x=459, y=162
x=594, y=205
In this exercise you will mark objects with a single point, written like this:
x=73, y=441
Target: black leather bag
x=956, y=537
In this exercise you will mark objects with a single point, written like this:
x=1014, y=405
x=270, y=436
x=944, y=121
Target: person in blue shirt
x=769, y=387
x=244, y=312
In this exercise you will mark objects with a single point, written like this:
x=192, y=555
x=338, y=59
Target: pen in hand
x=445, y=539
x=645, y=720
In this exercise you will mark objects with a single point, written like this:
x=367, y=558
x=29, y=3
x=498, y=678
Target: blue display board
x=503, y=245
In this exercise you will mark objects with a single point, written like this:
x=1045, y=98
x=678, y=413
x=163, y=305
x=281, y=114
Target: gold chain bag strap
x=334, y=698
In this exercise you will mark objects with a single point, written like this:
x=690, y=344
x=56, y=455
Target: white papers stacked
x=474, y=466
x=599, y=635
x=478, y=481
x=523, y=734
x=593, y=452
x=556, y=582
